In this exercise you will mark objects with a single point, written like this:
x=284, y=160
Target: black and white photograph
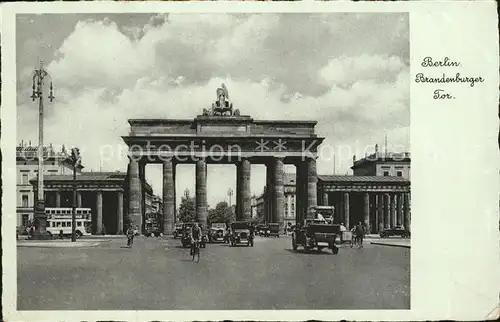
x=225, y=161
x=286, y=157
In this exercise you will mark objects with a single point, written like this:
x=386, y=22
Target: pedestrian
x=360, y=233
x=342, y=230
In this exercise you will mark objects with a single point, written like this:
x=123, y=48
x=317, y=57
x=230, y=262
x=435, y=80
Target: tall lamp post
x=40, y=218
x=230, y=194
x=75, y=161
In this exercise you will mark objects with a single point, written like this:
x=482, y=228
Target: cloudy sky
x=347, y=71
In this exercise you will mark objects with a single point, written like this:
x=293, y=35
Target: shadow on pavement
x=312, y=252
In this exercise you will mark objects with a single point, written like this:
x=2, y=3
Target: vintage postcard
x=250, y=161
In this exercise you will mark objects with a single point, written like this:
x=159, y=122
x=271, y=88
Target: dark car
x=241, y=233
x=217, y=232
x=264, y=230
x=315, y=233
x=274, y=230
x=177, y=230
x=395, y=231
x=186, y=235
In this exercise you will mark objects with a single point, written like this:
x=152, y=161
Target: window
x=68, y=224
x=399, y=173
x=63, y=224
x=25, y=201
x=24, y=179
x=79, y=224
x=386, y=173
x=25, y=219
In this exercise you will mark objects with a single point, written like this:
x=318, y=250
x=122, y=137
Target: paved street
x=158, y=274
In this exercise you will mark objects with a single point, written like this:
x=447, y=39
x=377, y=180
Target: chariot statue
x=222, y=106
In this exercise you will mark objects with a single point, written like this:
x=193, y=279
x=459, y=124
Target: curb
x=390, y=244
x=58, y=245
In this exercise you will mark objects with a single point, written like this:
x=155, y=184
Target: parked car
x=241, y=233
x=216, y=232
x=395, y=231
x=177, y=230
x=186, y=236
x=274, y=230
x=315, y=233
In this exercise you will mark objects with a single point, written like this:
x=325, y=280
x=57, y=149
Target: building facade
x=382, y=164
x=105, y=193
x=55, y=163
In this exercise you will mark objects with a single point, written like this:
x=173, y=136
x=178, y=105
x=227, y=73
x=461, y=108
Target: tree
x=187, y=210
x=221, y=213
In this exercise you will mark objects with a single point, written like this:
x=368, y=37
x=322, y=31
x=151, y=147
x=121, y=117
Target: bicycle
x=196, y=251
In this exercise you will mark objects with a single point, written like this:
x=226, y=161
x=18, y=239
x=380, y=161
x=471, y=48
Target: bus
x=61, y=218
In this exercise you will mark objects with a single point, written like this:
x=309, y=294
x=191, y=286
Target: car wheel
x=78, y=234
x=50, y=235
x=335, y=250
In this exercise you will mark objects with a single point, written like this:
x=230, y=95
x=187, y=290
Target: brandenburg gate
x=222, y=136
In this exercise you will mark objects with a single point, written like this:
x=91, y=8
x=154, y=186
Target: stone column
x=312, y=178
x=345, y=202
x=119, y=214
x=175, y=193
x=367, y=212
x=244, y=192
x=168, y=196
x=238, y=192
x=407, y=219
x=380, y=213
x=78, y=199
x=325, y=198
x=134, y=196
x=99, y=211
x=279, y=201
x=201, y=192
x=298, y=193
x=387, y=210
x=142, y=177
x=393, y=210
x=58, y=199
x=400, y=210
x=270, y=174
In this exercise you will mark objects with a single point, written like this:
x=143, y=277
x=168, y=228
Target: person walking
x=360, y=234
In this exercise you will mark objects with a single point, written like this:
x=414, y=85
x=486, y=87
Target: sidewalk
x=405, y=243
x=59, y=243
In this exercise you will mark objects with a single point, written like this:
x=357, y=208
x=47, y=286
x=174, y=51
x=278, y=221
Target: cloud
x=290, y=66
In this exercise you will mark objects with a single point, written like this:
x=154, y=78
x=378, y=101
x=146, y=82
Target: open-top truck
x=316, y=232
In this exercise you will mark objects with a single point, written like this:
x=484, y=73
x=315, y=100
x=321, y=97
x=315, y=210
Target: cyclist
x=195, y=236
x=130, y=236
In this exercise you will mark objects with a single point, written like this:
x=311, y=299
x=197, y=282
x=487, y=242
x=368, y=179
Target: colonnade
x=306, y=187
x=99, y=206
x=380, y=210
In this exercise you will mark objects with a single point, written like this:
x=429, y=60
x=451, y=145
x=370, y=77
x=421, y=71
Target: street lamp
x=75, y=160
x=40, y=218
x=230, y=194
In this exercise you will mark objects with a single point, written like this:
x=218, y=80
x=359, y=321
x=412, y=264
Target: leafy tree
x=221, y=213
x=187, y=210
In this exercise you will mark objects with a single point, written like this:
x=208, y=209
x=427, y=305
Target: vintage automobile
x=395, y=231
x=274, y=230
x=177, y=230
x=315, y=233
x=241, y=233
x=264, y=230
x=217, y=232
x=186, y=235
